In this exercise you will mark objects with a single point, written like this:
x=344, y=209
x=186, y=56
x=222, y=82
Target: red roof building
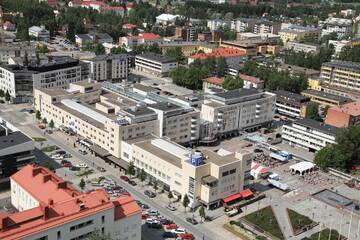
x=51, y=208
x=142, y=38
x=129, y=26
x=344, y=116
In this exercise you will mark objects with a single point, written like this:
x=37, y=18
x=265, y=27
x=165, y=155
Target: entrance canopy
x=302, y=167
x=243, y=194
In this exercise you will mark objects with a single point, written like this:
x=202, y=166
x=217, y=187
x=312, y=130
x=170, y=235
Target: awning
x=119, y=162
x=99, y=151
x=246, y=193
x=232, y=197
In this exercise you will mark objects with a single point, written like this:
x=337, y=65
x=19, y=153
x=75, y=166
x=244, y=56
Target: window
x=103, y=219
x=59, y=235
x=102, y=230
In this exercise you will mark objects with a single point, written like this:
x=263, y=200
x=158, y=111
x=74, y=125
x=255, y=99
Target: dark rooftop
x=328, y=129
x=109, y=57
x=290, y=96
x=157, y=57
x=165, y=106
x=241, y=92
x=342, y=64
x=13, y=139
x=330, y=96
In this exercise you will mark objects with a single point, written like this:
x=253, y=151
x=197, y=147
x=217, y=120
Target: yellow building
x=296, y=33
x=325, y=99
x=314, y=84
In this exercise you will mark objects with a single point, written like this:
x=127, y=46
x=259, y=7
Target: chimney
x=3, y=222
x=36, y=171
x=46, y=177
x=51, y=202
x=45, y=210
x=62, y=185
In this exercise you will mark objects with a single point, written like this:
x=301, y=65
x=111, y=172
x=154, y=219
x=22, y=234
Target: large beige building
x=206, y=177
x=106, y=117
x=231, y=111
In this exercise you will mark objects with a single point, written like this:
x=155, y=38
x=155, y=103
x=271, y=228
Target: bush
x=237, y=223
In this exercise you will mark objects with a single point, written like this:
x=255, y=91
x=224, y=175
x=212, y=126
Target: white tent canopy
x=302, y=167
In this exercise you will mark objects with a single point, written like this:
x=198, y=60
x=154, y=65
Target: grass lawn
x=266, y=220
x=297, y=220
x=39, y=139
x=50, y=148
x=325, y=235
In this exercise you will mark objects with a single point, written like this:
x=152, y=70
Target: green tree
x=155, y=48
x=156, y=185
x=221, y=66
x=202, y=212
x=42, y=48
x=88, y=46
x=350, y=53
x=231, y=83
x=313, y=112
x=142, y=176
x=170, y=196
x=99, y=49
x=82, y=184
x=2, y=93
x=44, y=121
x=7, y=96
x=131, y=168
x=117, y=50
x=185, y=201
x=176, y=53
x=38, y=115
x=51, y=124
x=96, y=235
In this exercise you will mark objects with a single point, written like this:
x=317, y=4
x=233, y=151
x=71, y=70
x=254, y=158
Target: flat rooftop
x=165, y=106
x=13, y=139
x=157, y=57
x=213, y=157
x=343, y=64
x=324, y=95
x=290, y=96
x=327, y=129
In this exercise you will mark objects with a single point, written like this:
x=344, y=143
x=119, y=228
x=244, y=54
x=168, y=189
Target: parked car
x=169, y=235
x=82, y=165
x=101, y=169
x=166, y=221
x=171, y=207
x=41, y=126
x=179, y=230
x=257, y=150
x=125, y=178
x=149, y=194
x=74, y=168
x=68, y=165
x=185, y=236
x=155, y=225
x=191, y=220
x=232, y=212
x=132, y=182
x=171, y=226
x=153, y=212
x=144, y=206
x=83, y=152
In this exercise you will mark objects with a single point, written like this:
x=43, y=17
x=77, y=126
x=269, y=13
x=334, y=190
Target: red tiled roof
x=59, y=211
x=221, y=52
x=146, y=36
x=250, y=78
x=215, y=80
x=352, y=108
x=129, y=26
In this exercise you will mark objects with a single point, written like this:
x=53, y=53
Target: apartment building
x=16, y=151
x=59, y=211
x=155, y=64
x=344, y=116
x=227, y=53
x=341, y=26
x=245, y=24
x=325, y=99
x=264, y=27
x=16, y=50
x=339, y=44
x=186, y=33
x=206, y=177
x=231, y=111
x=297, y=33
x=309, y=134
x=252, y=82
x=302, y=47
x=217, y=24
x=113, y=67
x=82, y=40
x=142, y=38
x=187, y=48
x=56, y=72
x=292, y=104
x=341, y=74
x=252, y=47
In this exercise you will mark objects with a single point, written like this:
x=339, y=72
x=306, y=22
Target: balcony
x=220, y=114
x=194, y=120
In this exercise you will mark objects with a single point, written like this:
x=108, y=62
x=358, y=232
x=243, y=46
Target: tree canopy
x=232, y=83
x=276, y=80
x=350, y=53
x=344, y=154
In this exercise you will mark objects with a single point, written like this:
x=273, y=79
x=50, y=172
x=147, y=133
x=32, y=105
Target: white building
x=302, y=47
x=59, y=211
x=339, y=45
x=113, y=67
x=309, y=134
x=16, y=51
x=142, y=38
x=155, y=64
x=40, y=33
x=216, y=24
x=206, y=177
x=341, y=26
x=58, y=72
x=232, y=111
x=166, y=19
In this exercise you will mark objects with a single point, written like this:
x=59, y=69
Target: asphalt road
x=17, y=118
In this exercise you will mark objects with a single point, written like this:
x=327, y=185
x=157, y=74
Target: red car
x=186, y=236
x=171, y=226
x=69, y=165
x=125, y=178
x=41, y=126
x=145, y=216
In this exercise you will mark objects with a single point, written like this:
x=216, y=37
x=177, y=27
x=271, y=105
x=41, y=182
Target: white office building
x=309, y=134
x=155, y=64
x=40, y=33
x=341, y=26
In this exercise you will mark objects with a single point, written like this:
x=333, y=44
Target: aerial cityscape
x=182, y=120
